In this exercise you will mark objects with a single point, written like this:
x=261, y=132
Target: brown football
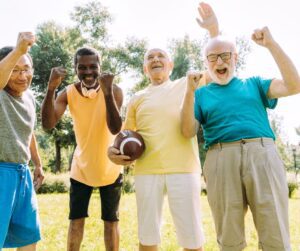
x=130, y=143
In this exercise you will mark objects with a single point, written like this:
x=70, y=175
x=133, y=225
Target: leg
x=267, y=193
x=111, y=235
x=110, y=198
x=80, y=195
x=31, y=247
x=150, y=190
x=75, y=234
x=226, y=196
x=183, y=192
x=147, y=248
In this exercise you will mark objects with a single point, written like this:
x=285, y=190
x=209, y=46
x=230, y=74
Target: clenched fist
x=263, y=37
x=56, y=77
x=25, y=41
x=106, y=82
x=195, y=80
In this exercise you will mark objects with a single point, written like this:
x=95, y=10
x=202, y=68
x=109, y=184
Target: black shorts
x=110, y=195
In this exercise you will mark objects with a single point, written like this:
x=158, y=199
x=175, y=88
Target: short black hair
x=86, y=51
x=4, y=51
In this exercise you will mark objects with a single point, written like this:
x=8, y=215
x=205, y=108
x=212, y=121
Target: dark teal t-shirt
x=234, y=111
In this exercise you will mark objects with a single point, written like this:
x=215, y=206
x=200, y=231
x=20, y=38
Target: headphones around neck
x=89, y=93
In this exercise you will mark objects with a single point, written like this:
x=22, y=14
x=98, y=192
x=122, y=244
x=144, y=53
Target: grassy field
x=54, y=218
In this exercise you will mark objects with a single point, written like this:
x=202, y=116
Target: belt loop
x=262, y=141
x=220, y=146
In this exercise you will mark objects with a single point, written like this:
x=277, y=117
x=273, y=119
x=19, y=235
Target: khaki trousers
x=248, y=173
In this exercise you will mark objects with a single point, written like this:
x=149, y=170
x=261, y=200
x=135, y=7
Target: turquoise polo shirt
x=234, y=111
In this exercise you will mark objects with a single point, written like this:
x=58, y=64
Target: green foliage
x=293, y=186
x=55, y=184
x=186, y=54
x=128, y=180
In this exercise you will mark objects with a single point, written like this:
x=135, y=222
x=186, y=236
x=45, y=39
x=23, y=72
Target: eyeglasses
x=214, y=57
x=16, y=72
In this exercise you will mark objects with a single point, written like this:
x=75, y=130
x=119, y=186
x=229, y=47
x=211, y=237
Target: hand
x=115, y=156
x=208, y=19
x=38, y=177
x=106, y=82
x=263, y=37
x=25, y=41
x=56, y=77
x=193, y=80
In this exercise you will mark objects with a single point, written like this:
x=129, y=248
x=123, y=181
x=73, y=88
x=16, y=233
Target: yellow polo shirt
x=155, y=113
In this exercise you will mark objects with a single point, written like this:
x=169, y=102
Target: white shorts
x=183, y=191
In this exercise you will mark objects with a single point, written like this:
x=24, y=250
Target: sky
x=159, y=21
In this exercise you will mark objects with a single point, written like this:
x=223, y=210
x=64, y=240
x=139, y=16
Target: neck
x=12, y=92
x=89, y=86
x=158, y=81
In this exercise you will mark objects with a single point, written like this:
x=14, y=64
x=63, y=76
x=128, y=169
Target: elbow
x=187, y=133
x=116, y=128
x=47, y=126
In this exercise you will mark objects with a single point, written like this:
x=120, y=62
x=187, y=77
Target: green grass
x=54, y=219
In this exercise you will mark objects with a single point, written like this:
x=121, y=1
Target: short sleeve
x=264, y=85
x=130, y=119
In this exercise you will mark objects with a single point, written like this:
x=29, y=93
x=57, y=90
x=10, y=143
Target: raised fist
x=194, y=80
x=263, y=37
x=56, y=77
x=106, y=82
x=25, y=41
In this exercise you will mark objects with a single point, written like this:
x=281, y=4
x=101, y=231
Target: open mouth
x=154, y=67
x=221, y=71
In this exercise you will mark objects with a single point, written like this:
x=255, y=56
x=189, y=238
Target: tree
x=56, y=46
x=52, y=50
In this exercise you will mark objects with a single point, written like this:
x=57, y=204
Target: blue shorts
x=19, y=222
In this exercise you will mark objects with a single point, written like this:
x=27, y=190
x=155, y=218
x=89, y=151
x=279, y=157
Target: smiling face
x=157, y=66
x=20, y=78
x=88, y=69
x=221, y=58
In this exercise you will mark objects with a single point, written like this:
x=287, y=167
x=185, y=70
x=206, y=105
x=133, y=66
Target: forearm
x=35, y=157
x=48, y=111
x=6, y=66
x=287, y=68
x=189, y=125
x=113, y=118
x=214, y=30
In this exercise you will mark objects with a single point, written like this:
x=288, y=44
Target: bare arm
x=25, y=41
x=189, y=125
x=113, y=100
x=290, y=83
x=207, y=19
x=53, y=109
x=38, y=173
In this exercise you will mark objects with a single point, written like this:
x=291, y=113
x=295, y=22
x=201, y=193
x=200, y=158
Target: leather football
x=130, y=143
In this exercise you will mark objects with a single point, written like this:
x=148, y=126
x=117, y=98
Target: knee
x=110, y=225
x=77, y=225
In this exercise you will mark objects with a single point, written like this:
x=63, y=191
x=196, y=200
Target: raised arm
x=290, y=83
x=38, y=173
x=53, y=109
x=113, y=100
x=189, y=125
x=25, y=41
x=207, y=19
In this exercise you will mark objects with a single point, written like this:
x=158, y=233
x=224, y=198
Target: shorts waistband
x=263, y=141
x=16, y=166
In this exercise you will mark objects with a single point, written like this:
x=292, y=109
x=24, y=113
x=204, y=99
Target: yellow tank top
x=90, y=164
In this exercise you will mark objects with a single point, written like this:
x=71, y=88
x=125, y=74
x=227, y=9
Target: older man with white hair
x=242, y=166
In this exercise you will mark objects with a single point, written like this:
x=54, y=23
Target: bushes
x=58, y=183
x=293, y=186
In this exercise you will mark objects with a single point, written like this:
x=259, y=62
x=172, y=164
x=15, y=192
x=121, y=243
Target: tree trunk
x=57, y=156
